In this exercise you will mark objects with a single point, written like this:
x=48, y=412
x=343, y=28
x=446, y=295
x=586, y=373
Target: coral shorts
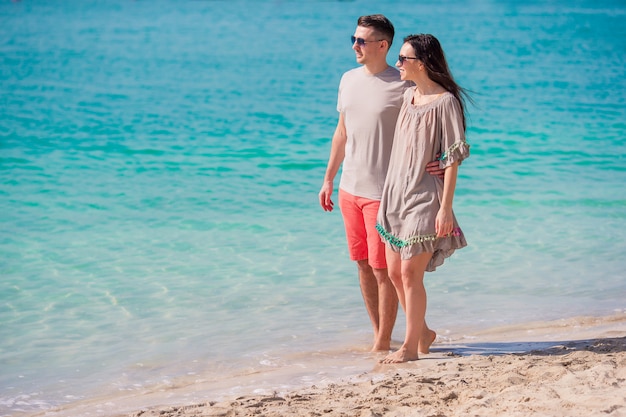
x=359, y=218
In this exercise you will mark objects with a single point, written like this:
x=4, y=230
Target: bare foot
x=381, y=345
x=381, y=348
x=426, y=342
x=400, y=356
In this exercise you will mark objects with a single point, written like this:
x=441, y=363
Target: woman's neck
x=427, y=87
x=426, y=92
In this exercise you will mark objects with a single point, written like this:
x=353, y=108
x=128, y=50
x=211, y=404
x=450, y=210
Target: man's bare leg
x=387, y=310
x=381, y=303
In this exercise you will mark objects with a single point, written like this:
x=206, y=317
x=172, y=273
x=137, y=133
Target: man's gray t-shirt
x=370, y=105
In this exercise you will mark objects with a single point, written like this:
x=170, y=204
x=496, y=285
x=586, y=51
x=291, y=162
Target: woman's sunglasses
x=402, y=58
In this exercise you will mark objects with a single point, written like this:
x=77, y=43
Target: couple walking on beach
x=399, y=140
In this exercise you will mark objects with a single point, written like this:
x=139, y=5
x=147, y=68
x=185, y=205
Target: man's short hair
x=380, y=24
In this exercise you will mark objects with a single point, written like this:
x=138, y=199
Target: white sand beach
x=573, y=367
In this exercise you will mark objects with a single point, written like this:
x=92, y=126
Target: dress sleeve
x=454, y=148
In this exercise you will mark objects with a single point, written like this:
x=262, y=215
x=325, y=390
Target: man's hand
x=433, y=168
x=325, y=193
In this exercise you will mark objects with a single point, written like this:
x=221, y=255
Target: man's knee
x=382, y=275
x=364, y=266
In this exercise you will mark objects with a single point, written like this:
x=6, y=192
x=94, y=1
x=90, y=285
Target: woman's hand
x=444, y=223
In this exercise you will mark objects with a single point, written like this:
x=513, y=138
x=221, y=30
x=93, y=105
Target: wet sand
x=573, y=367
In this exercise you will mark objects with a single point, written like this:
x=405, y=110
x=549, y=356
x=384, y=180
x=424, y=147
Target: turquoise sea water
x=160, y=164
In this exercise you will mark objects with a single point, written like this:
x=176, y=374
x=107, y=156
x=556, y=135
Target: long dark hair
x=428, y=49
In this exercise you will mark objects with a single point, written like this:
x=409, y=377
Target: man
x=369, y=101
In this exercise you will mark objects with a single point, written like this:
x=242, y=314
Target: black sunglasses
x=362, y=42
x=402, y=58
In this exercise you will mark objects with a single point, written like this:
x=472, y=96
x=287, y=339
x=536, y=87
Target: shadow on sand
x=604, y=345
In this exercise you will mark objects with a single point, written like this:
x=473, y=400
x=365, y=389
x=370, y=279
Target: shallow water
x=160, y=164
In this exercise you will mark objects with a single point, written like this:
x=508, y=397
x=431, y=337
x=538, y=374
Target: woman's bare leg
x=412, y=297
x=394, y=269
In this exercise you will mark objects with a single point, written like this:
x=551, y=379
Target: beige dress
x=411, y=196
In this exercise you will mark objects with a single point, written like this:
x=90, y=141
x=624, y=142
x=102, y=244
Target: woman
x=415, y=218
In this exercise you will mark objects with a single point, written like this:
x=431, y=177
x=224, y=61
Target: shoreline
x=576, y=364
x=579, y=378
